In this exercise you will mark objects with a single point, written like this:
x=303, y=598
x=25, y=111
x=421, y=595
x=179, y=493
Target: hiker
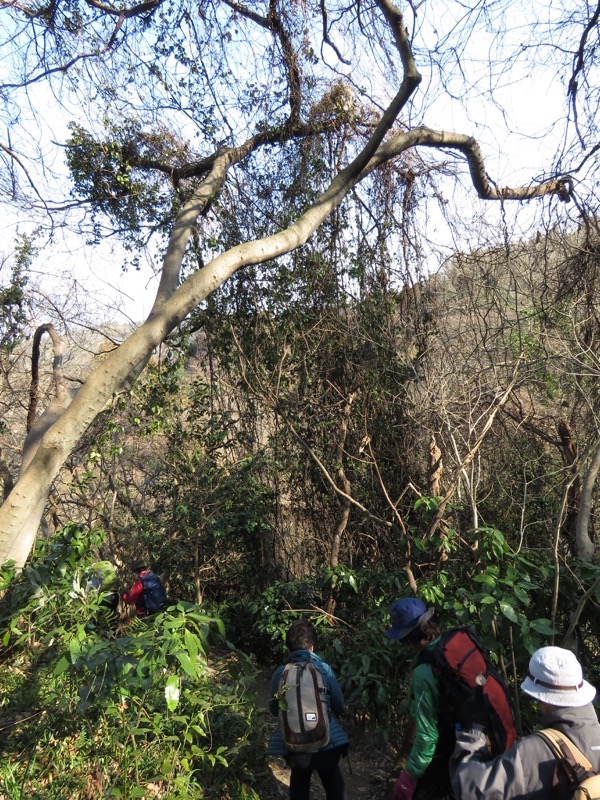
x=102, y=577
x=447, y=669
x=529, y=768
x=301, y=640
x=426, y=770
x=147, y=593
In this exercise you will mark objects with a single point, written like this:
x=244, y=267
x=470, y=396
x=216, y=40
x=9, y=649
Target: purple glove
x=405, y=786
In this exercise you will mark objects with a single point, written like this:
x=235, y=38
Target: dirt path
x=366, y=770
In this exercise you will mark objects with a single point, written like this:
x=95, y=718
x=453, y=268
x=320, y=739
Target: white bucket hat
x=555, y=677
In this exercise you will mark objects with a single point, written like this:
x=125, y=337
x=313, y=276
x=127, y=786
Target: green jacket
x=423, y=706
x=103, y=577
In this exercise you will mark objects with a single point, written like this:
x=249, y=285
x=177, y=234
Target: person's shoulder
x=424, y=672
x=323, y=666
x=426, y=657
x=318, y=660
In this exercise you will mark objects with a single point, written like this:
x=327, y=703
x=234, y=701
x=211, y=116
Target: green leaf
x=543, y=626
x=172, y=692
x=508, y=612
x=192, y=644
x=487, y=580
x=62, y=666
x=521, y=595
x=187, y=664
x=74, y=649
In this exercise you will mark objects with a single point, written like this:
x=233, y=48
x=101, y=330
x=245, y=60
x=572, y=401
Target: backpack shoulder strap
x=577, y=766
x=426, y=656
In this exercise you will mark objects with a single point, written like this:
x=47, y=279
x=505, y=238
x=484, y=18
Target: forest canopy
x=370, y=367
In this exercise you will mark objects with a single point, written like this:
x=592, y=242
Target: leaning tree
x=167, y=104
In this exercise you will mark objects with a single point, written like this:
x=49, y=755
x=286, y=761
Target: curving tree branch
x=21, y=513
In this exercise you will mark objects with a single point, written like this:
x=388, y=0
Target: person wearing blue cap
x=425, y=773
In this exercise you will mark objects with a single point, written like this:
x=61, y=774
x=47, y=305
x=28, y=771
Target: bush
x=161, y=710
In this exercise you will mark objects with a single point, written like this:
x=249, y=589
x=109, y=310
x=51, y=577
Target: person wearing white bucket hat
x=529, y=769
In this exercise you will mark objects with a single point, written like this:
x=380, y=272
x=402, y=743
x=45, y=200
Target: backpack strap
x=573, y=760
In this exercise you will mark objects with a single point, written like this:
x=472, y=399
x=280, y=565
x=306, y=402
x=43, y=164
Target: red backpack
x=464, y=670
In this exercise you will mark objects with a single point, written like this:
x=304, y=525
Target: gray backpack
x=303, y=708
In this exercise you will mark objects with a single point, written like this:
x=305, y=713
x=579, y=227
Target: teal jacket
x=335, y=699
x=423, y=706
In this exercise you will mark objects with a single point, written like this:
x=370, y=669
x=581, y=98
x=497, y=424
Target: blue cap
x=406, y=615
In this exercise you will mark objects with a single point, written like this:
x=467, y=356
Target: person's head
x=411, y=622
x=556, y=679
x=139, y=566
x=301, y=636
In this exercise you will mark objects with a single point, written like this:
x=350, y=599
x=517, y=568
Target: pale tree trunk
x=585, y=547
x=344, y=483
x=21, y=512
x=436, y=468
x=584, y=542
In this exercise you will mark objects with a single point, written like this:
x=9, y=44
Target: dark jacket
x=528, y=769
x=335, y=700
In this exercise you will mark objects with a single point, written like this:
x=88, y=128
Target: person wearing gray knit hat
x=529, y=768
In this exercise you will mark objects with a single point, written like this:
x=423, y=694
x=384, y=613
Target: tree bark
x=584, y=543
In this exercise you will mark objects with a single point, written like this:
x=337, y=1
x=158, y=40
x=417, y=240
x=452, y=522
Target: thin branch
x=499, y=402
x=16, y=158
x=578, y=65
x=561, y=517
x=383, y=487
x=578, y=611
x=273, y=23
x=125, y=13
x=326, y=39
x=59, y=384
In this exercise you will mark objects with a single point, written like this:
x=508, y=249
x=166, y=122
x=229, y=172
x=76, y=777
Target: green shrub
x=161, y=710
